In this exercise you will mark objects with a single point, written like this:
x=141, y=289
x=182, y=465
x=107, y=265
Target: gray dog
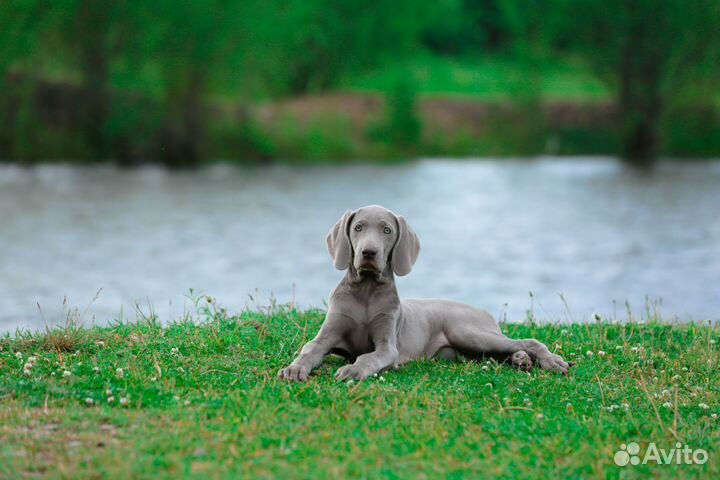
x=369, y=325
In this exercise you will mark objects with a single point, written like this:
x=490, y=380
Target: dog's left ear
x=406, y=248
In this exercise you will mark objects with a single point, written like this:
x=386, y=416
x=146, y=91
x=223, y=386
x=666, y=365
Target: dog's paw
x=554, y=363
x=352, y=372
x=521, y=360
x=294, y=373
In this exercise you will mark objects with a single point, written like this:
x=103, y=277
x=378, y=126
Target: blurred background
x=557, y=157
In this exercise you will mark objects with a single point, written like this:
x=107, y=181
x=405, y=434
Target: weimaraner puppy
x=369, y=325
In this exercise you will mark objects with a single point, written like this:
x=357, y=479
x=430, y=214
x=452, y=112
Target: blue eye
x=387, y=230
x=358, y=227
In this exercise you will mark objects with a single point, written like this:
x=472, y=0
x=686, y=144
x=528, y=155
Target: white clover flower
x=176, y=398
x=601, y=353
x=381, y=378
x=111, y=399
x=28, y=366
x=124, y=401
x=539, y=416
x=108, y=391
x=714, y=416
x=589, y=353
x=634, y=349
x=667, y=405
x=18, y=355
x=704, y=406
x=52, y=374
x=712, y=342
x=153, y=379
x=618, y=347
x=558, y=346
x=626, y=406
x=100, y=343
x=66, y=373
x=665, y=392
x=174, y=351
x=32, y=359
x=676, y=377
x=485, y=368
x=120, y=374
x=684, y=369
x=375, y=375
x=89, y=401
x=96, y=369
x=186, y=402
x=27, y=372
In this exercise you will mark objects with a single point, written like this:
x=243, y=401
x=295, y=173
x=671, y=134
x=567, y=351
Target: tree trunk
x=92, y=23
x=183, y=132
x=640, y=100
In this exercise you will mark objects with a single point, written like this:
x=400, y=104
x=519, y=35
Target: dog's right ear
x=338, y=242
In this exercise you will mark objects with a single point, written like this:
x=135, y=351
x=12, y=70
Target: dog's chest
x=358, y=341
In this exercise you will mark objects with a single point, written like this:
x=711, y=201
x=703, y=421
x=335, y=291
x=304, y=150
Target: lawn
x=200, y=398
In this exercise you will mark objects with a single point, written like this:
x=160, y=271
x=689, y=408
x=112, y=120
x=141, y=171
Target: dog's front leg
x=383, y=336
x=312, y=354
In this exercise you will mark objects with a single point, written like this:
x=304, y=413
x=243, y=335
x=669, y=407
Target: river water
x=583, y=235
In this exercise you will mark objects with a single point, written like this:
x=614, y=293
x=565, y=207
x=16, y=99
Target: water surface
x=584, y=236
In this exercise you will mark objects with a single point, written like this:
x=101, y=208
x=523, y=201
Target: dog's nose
x=369, y=253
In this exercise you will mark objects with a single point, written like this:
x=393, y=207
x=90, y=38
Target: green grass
x=489, y=78
x=200, y=398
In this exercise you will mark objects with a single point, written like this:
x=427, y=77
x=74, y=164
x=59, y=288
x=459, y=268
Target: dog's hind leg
x=468, y=338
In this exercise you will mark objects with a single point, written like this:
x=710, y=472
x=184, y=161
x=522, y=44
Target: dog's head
x=371, y=239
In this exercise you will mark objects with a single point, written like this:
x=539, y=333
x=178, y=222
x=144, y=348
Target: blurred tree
x=95, y=33
x=490, y=21
x=648, y=52
x=192, y=43
x=311, y=45
x=44, y=39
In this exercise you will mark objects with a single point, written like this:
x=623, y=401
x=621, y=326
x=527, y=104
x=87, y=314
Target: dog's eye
x=387, y=230
x=358, y=227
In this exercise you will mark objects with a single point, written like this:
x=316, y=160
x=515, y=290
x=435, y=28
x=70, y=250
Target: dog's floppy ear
x=338, y=242
x=406, y=248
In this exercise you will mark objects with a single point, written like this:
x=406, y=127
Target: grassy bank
x=201, y=399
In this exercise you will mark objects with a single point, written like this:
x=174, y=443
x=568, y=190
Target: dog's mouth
x=368, y=268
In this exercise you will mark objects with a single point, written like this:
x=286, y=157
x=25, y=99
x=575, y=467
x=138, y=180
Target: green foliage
x=200, y=397
x=313, y=45
x=402, y=126
x=691, y=132
x=491, y=78
x=147, y=80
